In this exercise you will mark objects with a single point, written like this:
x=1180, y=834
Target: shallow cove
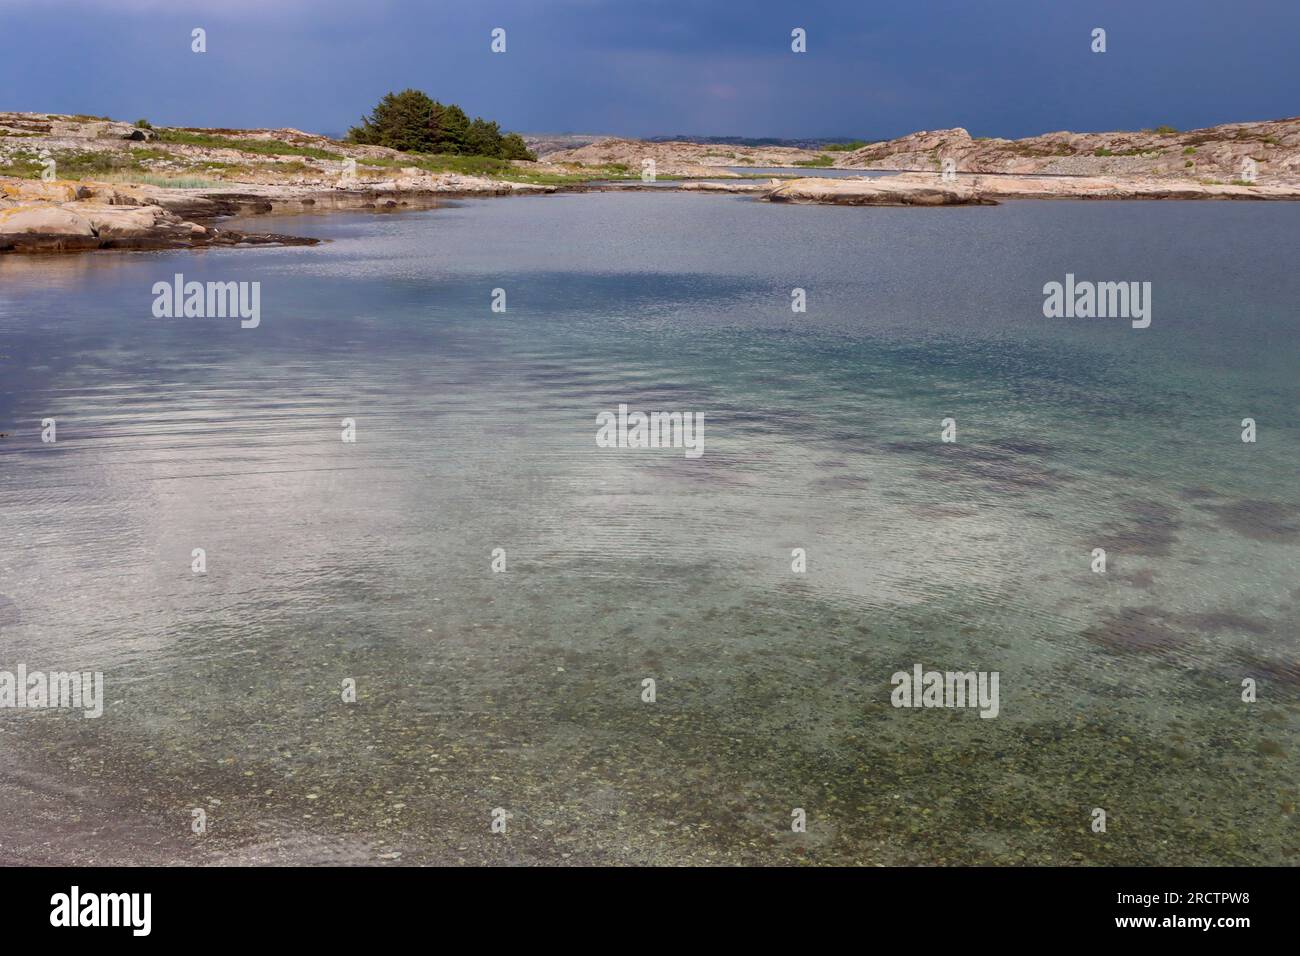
x=475, y=431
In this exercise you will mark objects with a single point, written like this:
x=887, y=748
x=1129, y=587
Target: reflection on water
x=475, y=431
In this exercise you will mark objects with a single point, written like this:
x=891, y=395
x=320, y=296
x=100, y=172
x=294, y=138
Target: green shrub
x=411, y=121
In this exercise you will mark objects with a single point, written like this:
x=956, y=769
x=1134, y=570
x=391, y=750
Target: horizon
x=663, y=69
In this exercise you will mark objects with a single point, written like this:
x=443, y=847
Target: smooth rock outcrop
x=879, y=191
x=45, y=228
x=929, y=189
x=103, y=217
x=1125, y=187
x=130, y=222
x=738, y=186
x=44, y=221
x=42, y=190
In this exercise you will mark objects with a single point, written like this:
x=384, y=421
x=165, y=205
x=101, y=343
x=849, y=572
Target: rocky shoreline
x=77, y=217
x=168, y=189
x=930, y=189
x=51, y=217
x=64, y=216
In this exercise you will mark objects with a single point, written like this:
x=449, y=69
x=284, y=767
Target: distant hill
x=749, y=142
x=1214, y=154
x=545, y=143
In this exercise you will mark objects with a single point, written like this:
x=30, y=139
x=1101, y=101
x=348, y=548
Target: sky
x=872, y=70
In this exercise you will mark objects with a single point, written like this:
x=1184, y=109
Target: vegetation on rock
x=410, y=121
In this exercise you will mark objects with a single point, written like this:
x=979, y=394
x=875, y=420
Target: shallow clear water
x=522, y=690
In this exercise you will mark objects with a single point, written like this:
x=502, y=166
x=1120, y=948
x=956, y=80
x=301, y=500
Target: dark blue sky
x=874, y=68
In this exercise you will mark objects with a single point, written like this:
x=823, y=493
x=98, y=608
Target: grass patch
x=844, y=147
x=81, y=165
x=491, y=167
x=145, y=153
x=261, y=147
x=616, y=171
x=445, y=163
x=821, y=161
x=166, y=182
x=290, y=166
x=21, y=167
x=1103, y=151
x=1053, y=149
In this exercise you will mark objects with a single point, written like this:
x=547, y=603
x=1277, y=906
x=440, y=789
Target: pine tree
x=451, y=129
x=412, y=122
x=514, y=147
x=399, y=121
x=484, y=138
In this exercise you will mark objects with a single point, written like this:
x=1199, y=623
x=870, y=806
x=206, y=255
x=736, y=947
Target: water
x=522, y=690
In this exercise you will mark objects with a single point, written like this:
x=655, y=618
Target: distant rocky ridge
x=544, y=144
x=1215, y=154
x=680, y=158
